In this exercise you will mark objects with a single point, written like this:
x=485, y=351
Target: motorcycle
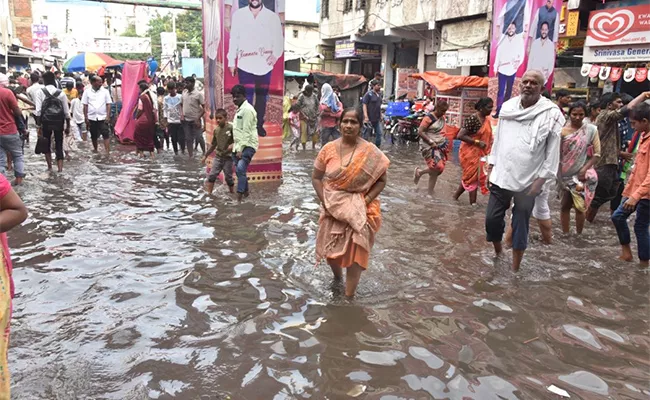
x=405, y=129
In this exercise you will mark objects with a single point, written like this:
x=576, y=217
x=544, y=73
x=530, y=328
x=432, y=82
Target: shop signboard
x=351, y=49
x=619, y=26
x=465, y=34
x=573, y=23
x=473, y=56
x=344, y=49
x=367, y=50
x=525, y=35
x=610, y=54
x=74, y=44
x=447, y=59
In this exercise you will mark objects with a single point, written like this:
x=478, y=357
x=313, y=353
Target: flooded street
x=133, y=284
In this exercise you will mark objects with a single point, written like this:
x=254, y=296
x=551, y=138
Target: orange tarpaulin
x=443, y=82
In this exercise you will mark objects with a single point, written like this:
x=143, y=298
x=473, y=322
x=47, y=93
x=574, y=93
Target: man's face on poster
x=255, y=3
x=544, y=31
x=511, y=30
x=549, y=4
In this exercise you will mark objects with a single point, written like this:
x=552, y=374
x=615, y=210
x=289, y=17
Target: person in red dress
x=145, y=125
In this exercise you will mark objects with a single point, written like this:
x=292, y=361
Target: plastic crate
x=398, y=109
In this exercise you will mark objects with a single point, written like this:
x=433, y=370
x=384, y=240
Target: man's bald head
x=537, y=74
x=531, y=87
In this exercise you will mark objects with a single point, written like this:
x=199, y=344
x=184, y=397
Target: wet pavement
x=133, y=284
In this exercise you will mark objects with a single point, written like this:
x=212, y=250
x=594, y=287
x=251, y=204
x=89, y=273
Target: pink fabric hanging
x=132, y=73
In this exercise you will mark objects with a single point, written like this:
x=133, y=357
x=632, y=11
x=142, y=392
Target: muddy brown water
x=133, y=284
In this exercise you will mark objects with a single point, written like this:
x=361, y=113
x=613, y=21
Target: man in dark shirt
x=612, y=112
x=372, y=111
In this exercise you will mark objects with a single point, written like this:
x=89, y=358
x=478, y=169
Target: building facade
x=398, y=37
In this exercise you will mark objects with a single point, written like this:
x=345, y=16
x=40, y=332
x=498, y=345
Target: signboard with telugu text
x=464, y=34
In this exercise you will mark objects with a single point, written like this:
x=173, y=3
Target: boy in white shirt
x=77, y=111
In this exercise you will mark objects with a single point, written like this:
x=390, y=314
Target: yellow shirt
x=70, y=94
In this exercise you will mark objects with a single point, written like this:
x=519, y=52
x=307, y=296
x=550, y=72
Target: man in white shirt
x=97, y=107
x=542, y=54
x=276, y=6
x=33, y=90
x=50, y=123
x=212, y=39
x=525, y=154
x=256, y=44
x=510, y=55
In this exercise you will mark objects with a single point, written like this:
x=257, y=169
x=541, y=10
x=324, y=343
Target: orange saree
x=347, y=227
x=470, y=156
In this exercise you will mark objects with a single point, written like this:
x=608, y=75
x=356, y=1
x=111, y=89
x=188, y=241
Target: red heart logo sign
x=605, y=26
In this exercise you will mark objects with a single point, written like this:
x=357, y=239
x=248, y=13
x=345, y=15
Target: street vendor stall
x=461, y=92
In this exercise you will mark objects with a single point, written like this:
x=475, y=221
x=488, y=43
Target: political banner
x=524, y=37
x=40, y=39
x=244, y=45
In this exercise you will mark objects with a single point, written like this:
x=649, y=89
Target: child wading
x=222, y=143
x=294, y=125
x=636, y=196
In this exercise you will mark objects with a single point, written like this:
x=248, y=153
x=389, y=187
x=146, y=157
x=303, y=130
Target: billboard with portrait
x=244, y=44
x=524, y=37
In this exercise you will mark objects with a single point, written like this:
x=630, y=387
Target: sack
x=52, y=108
x=42, y=146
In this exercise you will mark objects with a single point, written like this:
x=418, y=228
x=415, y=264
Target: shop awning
x=444, y=82
x=294, y=74
x=343, y=81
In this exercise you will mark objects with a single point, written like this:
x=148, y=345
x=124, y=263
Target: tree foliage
x=189, y=28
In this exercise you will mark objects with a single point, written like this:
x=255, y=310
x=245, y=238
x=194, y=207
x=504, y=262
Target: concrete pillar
x=421, y=63
x=347, y=66
x=387, y=52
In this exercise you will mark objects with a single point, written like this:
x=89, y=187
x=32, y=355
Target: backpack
x=52, y=107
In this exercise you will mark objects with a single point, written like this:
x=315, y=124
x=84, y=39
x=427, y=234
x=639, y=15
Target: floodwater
x=133, y=284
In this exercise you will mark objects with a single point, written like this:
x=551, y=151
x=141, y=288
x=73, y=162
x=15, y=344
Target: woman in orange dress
x=12, y=214
x=476, y=135
x=349, y=174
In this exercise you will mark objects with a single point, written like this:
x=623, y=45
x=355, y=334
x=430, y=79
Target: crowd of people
x=588, y=154
x=584, y=153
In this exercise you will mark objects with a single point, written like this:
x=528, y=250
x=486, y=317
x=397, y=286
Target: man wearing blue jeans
x=372, y=110
x=245, y=137
x=11, y=120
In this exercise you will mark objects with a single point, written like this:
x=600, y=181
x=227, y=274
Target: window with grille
x=361, y=4
x=325, y=9
x=347, y=5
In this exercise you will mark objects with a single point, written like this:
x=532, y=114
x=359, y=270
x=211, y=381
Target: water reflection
x=132, y=284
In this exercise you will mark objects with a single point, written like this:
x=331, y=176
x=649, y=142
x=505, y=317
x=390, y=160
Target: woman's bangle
x=477, y=142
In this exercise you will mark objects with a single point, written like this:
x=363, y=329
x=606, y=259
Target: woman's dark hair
x=578, y=104
x=171, y=85
x=641, y=112
x=482, y=103
x=357, y=113
x=143, y=86
x=294, y=108
x=160, y=91
x=442, y=105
